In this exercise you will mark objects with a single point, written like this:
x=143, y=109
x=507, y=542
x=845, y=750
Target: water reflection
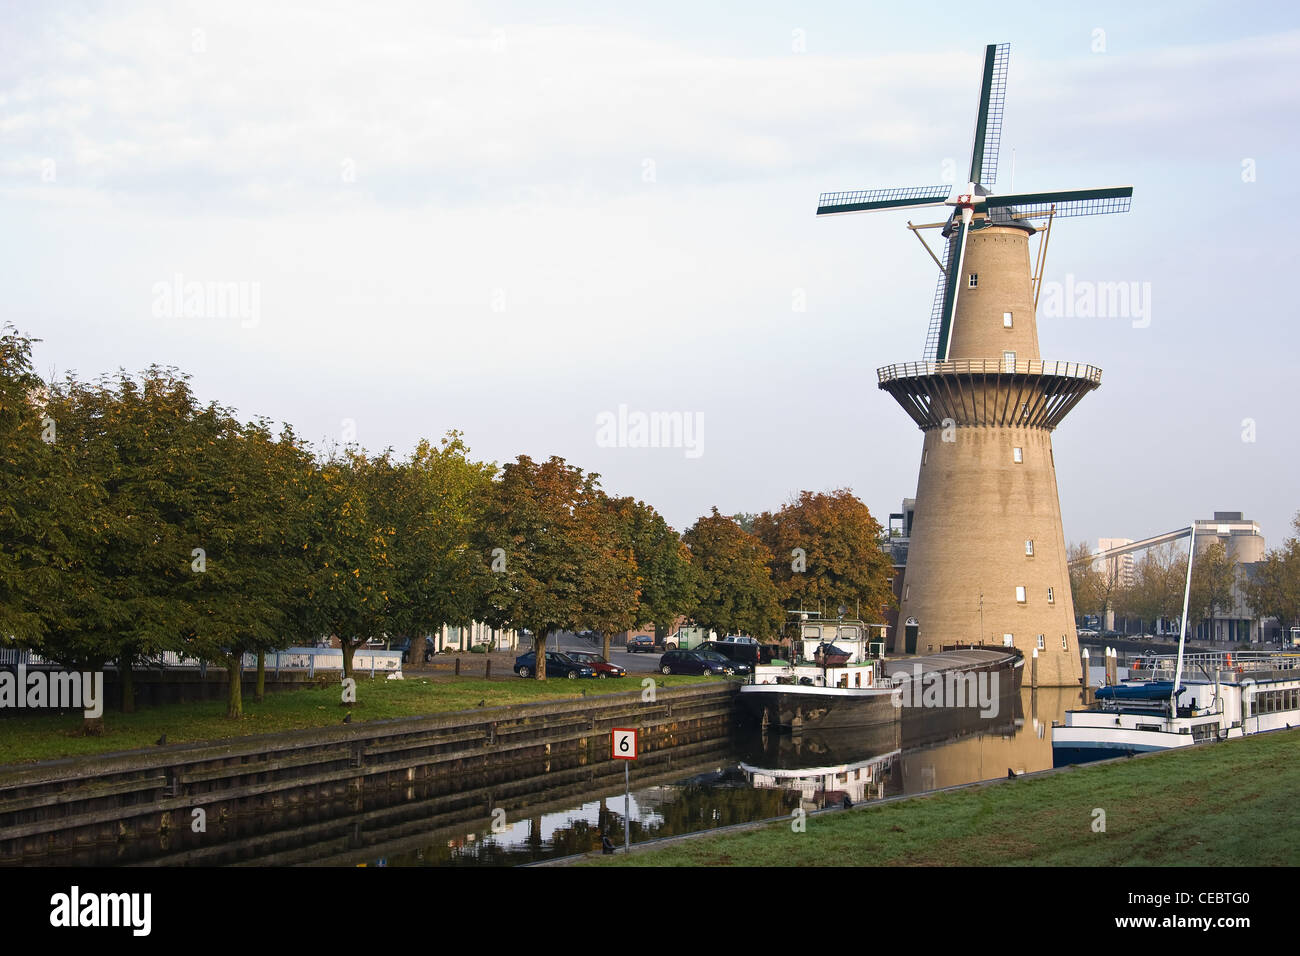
x=761, y=776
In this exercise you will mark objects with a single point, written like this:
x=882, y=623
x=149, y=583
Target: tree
x=1158, y=584
x=1094, y=590
x=617, y=570
x=433, y=501
x=1273, y=584
x=735, y=592
x=556, y=562
x=1214, y=573
x=667, y=576
x=826, y=553
x=33, y=492
x=351, y=559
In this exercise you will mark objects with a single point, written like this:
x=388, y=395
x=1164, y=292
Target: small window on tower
x=1029, y=547
x=1020, y=594
x=1006, y=320
x=1065, y=644
x=974, y=279
x=1018, y=455
x=1051, y=596
x=1042, y=642
x=1008, y=640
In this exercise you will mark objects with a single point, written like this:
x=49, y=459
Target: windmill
x=973, y=204
x=986, y=547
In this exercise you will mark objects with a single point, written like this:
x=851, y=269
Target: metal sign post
x=623, y=746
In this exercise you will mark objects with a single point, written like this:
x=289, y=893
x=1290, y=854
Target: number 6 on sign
x=622, y=743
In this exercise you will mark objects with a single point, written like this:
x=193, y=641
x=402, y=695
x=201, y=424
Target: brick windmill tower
x=987, y=556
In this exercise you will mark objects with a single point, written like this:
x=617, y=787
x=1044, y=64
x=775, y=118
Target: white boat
x=1184, y=700
x=1225, y=695
x=837, y=679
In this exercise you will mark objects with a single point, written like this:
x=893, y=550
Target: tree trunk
x=127, y=676
x=349, y=648
x=235, y=696
x=260, y=692
x=539, y=655
x=605, y=645
x=92, y=726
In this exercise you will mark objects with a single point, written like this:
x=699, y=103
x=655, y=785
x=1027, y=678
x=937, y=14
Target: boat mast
x=1182, y=636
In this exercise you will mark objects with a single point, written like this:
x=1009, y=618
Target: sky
x=539, y=223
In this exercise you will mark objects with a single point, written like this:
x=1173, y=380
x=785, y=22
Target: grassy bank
x=49, y=736
x=1228, y=804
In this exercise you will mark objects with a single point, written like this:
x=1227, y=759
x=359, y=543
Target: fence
x=309, y=659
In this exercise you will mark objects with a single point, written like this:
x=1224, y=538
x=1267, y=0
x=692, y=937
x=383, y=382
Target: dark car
x=740, y=653
x=404, y=645
x=602, y=667
x=640, y=644
x=557, y=665
x=699, y=662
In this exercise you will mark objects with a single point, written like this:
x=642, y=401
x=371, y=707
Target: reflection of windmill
x=987, y=514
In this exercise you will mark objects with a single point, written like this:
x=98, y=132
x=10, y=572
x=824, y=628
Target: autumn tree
x=1156, y=593
x=667, y=576
x=556, y=564
x=1273, y=584
x=1093, y=590
x=826, y=554
x=735, y=593
x=1214, y=573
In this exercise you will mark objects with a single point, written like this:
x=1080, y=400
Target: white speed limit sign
x=623, y=743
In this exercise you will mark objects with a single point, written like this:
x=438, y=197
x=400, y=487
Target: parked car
x=557, y=665
x=602, y=667
x=734, y=651
x=404, y=645
x=699, y=662
x=640, y=644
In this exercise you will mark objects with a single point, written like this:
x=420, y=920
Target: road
x=635, y=663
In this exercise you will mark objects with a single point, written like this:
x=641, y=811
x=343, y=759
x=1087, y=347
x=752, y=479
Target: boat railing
x=1240, y=663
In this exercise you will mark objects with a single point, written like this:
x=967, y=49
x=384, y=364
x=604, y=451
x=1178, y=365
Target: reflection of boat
x=846, y=688
x=817, y=747
x=825, y=767
x=1258, y=692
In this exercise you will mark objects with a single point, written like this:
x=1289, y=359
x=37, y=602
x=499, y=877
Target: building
x=1243, y=543
x=986, y=555
x=1119, y=568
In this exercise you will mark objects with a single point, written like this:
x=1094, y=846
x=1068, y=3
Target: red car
x=602, y=667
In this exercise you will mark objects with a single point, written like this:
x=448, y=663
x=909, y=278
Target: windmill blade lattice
x=865, y=200
x=1062, y=203
x=936, y=308
x=988, y=118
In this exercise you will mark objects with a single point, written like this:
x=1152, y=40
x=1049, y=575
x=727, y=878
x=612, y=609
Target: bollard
x=487, y=668
x=1033, y=670
x=458, y=667
x=1086, y=687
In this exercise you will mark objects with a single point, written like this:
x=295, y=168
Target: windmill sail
x=867, y=200
x=988, y=118
x=936, y=309
x=1061, y=203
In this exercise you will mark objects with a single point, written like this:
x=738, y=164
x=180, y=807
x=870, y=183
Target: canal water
x=752, y=776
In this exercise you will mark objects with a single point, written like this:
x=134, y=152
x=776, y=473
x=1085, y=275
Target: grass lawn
x=48, y=736
x=1226, y=804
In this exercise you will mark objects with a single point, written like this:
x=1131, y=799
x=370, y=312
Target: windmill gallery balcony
x=989, y=392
